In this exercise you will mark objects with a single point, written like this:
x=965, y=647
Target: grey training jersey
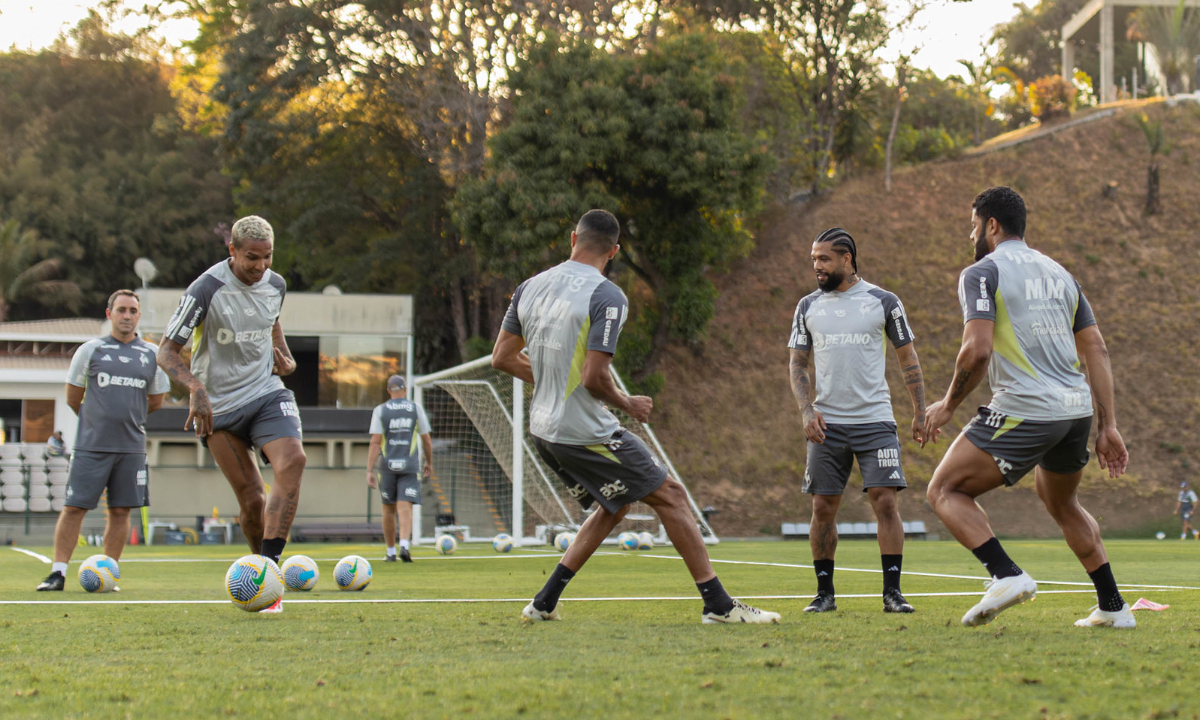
x=230, y=324
x=845, y=331
x=400, y=422
x=118, y=377
x=1037, y=307
x=562, y=313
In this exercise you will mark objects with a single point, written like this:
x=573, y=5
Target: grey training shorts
x=1017, y=445
x=874, y=444
x=262, y=420
x=398, y=487
x=123, y=474
x=614, y=473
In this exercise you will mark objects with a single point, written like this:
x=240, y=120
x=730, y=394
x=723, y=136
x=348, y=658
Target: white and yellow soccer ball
x=563, y=541
x=254, y=582
x=99, y=573
x=503, y=543
x=628, y=541
x=645, y=541
x=446, y=544
x=352, y=572
x=300, y=573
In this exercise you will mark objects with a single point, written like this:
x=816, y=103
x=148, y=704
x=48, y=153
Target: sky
x=943, y=33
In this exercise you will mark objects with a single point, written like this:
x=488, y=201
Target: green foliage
x=1175, y=35
x=26, y=275
x=1156, y=139
x=96, y=162
x=651, y=137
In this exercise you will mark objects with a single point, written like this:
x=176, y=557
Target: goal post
x=488, y=478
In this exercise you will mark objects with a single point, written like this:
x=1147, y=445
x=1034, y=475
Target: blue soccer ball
x=99, y=573
x=446, y=544
x=628, y=541
x=502, y=543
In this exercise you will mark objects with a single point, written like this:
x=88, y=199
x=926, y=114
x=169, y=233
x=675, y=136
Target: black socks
x=716, y=600
x=273, y=548
x=547, y=599
x=891, y=571
x=824, y=571
x=1107, y=595
x=997, y=562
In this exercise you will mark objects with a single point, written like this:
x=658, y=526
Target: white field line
x=569, y=600
x=32, y=554
x=924, y=574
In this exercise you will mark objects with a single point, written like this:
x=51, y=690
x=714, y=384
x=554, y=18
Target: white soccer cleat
x=1001, y=594
x=1122, y=618
x=275, y=608
x=532, y=614
x=741, y=613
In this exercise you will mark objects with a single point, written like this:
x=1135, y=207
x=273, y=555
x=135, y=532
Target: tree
x=1156, y=140
x=901, y=73
x=23, y=276
x=980, y=77
x=651, y=137
x=1174, y=33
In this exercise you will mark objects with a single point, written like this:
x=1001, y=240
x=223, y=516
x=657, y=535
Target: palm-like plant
x=1174, y=34
x=23, y=275
x=1156, y=140
x=980, y=77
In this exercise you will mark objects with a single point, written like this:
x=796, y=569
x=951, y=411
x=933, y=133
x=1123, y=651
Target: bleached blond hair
x=251, y=227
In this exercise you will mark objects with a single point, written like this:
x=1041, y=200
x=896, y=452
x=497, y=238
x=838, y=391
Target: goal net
x=489, y=479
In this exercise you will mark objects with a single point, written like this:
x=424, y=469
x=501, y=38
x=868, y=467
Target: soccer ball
x=352, y=573
x=446, y=544
x=300, y=573
x=563, y=541
x=254, y=582
x=1161, y=535
x=502, y=543
x=628, y=541
x=645, y=541
x=99, y=573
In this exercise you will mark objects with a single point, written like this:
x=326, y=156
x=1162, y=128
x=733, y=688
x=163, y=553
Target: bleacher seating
x=915, y=528
x=29, y=481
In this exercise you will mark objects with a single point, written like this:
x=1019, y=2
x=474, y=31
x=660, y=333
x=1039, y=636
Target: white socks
x=391, y=551
x=404, y=544
x=59, y=568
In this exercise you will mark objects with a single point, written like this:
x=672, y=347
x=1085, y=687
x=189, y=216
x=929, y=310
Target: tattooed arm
x=914, y=382
x=1110, y=448
x=814, y=422
x=969, y=368
x=200, y=409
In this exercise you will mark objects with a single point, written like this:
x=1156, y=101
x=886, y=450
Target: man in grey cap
x=394, y=470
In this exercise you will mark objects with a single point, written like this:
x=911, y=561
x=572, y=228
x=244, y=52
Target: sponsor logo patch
x=105, y=380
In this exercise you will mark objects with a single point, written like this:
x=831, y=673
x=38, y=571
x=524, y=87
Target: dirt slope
x=727, y=416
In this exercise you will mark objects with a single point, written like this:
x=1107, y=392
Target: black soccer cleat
x=823, y=602
x=389, y=558
x=404, y=555
x=53, y=581
x=894, y=602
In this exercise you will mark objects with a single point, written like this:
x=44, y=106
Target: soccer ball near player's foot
x=645, y=541
x=254, y=582
x=502, y=543
x=300, y=573
x=628, y=541
x=562, y=541
x=99, y=573
x=352, y=573
x=446, y=544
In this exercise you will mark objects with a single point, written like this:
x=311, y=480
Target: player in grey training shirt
x=392, y=463
x=845, y=325
x=113, y=382
x=1028, y=322
x=230, y=315
x=568, y=319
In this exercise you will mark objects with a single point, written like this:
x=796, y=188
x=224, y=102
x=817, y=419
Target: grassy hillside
x=727, y=416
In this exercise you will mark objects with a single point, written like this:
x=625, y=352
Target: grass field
x=119, y=656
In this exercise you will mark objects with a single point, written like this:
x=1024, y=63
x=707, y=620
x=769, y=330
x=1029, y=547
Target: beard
x=981, y=249
x=832, y=280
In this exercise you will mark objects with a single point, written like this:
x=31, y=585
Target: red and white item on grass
x=1144, y=604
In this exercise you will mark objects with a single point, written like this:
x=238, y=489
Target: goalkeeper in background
x=568, y=318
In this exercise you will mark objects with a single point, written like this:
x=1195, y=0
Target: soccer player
x=843, y=325
x=230, y=314
x=1184, y=507
x=394, y=471
x=1028, y=324
x=112, y=384
x=568, y=318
